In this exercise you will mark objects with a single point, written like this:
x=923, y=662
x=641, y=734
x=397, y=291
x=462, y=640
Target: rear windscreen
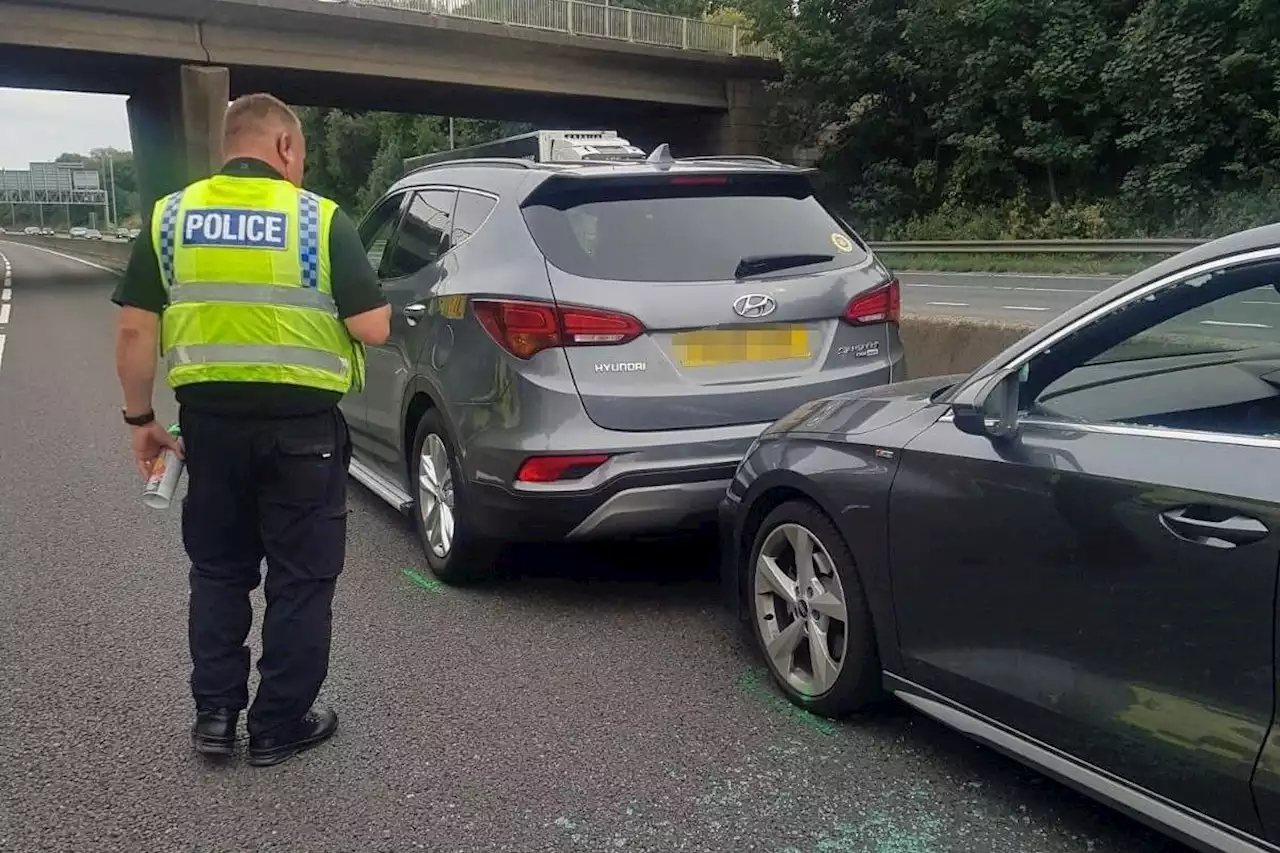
x=685, y=227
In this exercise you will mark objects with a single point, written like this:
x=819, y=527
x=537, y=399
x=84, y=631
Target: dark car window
x=1201, y=354
x=469, y=214
x=685, y=227
x=424, y=233
x=377, y=227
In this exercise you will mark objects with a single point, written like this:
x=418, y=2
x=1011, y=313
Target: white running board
x=379, y=485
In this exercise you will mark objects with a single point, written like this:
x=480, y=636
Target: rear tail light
x=882, y=305
x=554, y=469
x=526, y=328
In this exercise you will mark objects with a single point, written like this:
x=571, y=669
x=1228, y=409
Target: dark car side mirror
x=989, y=407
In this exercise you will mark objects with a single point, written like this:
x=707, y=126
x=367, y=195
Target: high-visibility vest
x=245, y=263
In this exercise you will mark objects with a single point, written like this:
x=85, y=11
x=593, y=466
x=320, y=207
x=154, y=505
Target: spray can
x=165, y=473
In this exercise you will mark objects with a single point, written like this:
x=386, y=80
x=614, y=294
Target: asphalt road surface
x=1254, y=315
x=1017, y=297
x=596, y=700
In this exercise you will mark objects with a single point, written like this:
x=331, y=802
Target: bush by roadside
x=1034, y=263
x=1021, y=218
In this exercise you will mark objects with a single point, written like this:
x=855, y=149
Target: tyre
x=809, y=615
x=454, y=554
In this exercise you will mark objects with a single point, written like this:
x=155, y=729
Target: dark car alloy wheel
x=808, y=612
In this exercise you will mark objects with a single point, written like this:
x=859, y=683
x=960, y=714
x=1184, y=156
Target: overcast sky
x=41, y=125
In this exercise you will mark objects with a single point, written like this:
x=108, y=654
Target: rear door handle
x=1190, y=523
x=413, y=312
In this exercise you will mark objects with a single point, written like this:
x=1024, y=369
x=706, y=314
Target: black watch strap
x=139, y=420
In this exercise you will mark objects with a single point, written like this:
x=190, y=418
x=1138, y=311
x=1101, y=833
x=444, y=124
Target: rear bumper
x=633, y=504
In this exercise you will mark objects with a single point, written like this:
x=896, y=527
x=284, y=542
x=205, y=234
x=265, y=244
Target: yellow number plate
x=712, y=347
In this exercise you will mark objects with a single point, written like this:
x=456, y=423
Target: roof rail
x=730, y=158
x=501, y=162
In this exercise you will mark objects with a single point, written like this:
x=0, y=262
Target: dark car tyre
x=808, y=612
x=454, y=554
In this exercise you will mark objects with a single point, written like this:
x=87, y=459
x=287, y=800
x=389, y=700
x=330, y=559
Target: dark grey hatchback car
x=1070, y=554
x=586, y=350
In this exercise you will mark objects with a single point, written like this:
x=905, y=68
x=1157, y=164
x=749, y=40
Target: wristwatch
x=138, y=420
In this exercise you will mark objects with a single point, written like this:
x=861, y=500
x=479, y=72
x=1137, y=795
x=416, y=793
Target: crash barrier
x=935, y=345
x=1158, y=246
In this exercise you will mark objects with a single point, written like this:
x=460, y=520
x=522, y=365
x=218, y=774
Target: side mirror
x=989, y=407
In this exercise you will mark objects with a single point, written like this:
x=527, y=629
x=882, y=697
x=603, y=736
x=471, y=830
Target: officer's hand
x=149, y=442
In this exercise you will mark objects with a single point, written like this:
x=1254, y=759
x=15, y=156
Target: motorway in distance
x=1036, y=299
x=1012, y=297
x=594, y=699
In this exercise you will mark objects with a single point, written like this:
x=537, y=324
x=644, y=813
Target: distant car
x=124, y=234
x=93, y=234
x=31, y=231
x=47, y=232
x=79, y=232
x=585, y=350
x=1070, y=554
x=3, y=231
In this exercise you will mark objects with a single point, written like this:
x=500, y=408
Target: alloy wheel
x=800, y=609
x=435, y=495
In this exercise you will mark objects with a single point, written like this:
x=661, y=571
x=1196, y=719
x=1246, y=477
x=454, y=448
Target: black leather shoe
x=284, y=742
x=214, y=732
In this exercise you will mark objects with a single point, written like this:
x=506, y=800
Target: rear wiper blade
x=760, y=264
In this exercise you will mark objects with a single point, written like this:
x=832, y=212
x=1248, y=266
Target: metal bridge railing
x=593, y=20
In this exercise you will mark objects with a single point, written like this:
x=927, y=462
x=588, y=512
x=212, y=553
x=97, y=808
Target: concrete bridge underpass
x=567, y=63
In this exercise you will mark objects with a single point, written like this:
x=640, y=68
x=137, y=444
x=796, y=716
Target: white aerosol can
x=165, y=473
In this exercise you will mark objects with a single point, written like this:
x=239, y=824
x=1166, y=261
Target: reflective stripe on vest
x=256, y=354
x=258, y=294
x=249, y=291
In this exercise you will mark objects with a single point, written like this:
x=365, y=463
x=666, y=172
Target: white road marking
x=1, y=349
x=6, y=295
x=1056, y=290
x=69, y=258
x=4, y=312
x=950, y=304
x=1263, y=302
x=1022, y=308
x=1239, y=325
x=1081, y=290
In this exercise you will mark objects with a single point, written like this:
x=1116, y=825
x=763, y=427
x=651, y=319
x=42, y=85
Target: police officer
x=267, y=299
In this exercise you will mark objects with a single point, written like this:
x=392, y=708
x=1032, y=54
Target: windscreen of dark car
x=688, y=227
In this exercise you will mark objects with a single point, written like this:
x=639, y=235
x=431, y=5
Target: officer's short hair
x=249, y=114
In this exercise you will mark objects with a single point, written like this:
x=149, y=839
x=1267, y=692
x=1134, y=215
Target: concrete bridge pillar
x=736, y=130
x=739, y=130
x=176, y=126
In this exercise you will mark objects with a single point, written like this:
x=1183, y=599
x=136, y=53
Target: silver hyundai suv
x=587, y=350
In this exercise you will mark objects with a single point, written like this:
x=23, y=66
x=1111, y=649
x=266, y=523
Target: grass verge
x=1035, y=263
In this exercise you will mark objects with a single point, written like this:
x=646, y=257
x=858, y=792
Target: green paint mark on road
x=754, y=683
x=429, y=584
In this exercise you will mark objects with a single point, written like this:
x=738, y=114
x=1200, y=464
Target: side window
x=1199, y=354
x=424, y=233
x=471, y=212
x=376, y=229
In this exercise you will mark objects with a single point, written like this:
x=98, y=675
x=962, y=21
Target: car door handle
x=413, y=312
x=1191, y=524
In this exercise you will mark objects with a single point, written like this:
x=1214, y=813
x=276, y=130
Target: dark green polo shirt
x=355, y=290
